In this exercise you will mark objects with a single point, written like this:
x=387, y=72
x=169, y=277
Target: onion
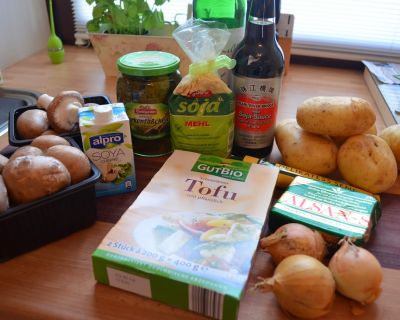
x=358, y=274
x=303, y=286
x=294, y=238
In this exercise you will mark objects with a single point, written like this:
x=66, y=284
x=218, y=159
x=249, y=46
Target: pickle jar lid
x=148, y=63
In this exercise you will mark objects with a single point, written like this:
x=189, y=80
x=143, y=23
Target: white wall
x=24, y=29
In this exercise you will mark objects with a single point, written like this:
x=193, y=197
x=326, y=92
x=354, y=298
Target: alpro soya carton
x=189, y=238
x=106, y=140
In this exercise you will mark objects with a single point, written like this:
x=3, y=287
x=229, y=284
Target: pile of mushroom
x=49, y=164
x=56, y=115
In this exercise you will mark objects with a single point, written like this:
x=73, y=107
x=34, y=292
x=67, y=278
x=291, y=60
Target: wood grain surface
x=56, y=281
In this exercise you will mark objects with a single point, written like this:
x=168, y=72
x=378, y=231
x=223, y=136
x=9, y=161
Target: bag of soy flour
x=202, y=105
x=189, y=238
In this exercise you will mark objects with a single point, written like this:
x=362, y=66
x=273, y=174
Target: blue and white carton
x=106, y=140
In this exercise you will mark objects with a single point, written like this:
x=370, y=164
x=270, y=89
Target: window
x=341, y=29
x=346, y=29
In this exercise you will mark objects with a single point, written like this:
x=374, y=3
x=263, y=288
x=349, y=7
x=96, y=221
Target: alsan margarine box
x=189, y=238
x=329, y=208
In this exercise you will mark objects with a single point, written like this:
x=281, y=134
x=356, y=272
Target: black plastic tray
x=15, y=140
x=28, y=226
x=14, y=98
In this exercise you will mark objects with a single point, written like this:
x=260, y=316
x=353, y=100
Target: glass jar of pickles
x=146, y=81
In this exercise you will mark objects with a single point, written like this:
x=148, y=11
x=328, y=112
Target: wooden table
x=56, y=281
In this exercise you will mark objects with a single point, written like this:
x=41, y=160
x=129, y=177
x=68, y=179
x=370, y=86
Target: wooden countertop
x=56, y=281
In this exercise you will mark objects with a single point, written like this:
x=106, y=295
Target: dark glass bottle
x=257, y=79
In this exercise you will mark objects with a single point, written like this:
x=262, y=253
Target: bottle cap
x=148, y=63
x=103, y=113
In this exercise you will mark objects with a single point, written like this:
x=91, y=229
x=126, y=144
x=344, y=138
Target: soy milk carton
x=106, y=140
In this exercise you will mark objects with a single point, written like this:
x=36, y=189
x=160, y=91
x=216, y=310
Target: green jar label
x=148, y=121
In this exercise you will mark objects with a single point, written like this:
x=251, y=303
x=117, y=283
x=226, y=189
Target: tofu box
x=190, y=237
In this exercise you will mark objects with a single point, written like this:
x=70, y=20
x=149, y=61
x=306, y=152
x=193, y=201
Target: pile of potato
x=331, y=133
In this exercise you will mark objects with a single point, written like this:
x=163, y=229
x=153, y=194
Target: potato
x=304, y=150
x=367, y=162
x=392, y=136
x=339, y=140
x=335, y=116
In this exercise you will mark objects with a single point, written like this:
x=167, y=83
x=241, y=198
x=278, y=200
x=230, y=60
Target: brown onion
x=294, y=238
x=358, y=274
x=303, y=286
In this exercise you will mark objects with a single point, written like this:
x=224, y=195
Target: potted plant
x=118, y=27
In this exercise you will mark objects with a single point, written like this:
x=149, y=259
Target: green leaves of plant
x=93, y=26
x=98, y=11
x=120, y=19
x=132, y=11
x=160, y=2
x=153, y=20
x=125, y=16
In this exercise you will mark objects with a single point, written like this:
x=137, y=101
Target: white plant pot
x=109, y=47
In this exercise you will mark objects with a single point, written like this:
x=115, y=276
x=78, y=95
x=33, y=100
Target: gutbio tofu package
x=189, y=238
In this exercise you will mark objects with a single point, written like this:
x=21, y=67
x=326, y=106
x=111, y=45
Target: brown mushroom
x=49, y=132
x=29, y=178
x=44, y=100
x=4, y=203
x=76, y=162
x=26, y=151
x=32, y=123
x=62, y=111
x=3, y=162
x=47, y=141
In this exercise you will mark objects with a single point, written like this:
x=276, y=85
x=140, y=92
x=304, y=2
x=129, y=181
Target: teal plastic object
x=55, y=46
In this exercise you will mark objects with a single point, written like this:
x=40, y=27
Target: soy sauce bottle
x=257, y=79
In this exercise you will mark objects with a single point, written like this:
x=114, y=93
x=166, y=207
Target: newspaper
x=386, y=72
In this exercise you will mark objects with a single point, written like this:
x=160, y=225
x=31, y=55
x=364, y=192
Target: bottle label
x=148, y=121
x=256, y=104
x=236, y=36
